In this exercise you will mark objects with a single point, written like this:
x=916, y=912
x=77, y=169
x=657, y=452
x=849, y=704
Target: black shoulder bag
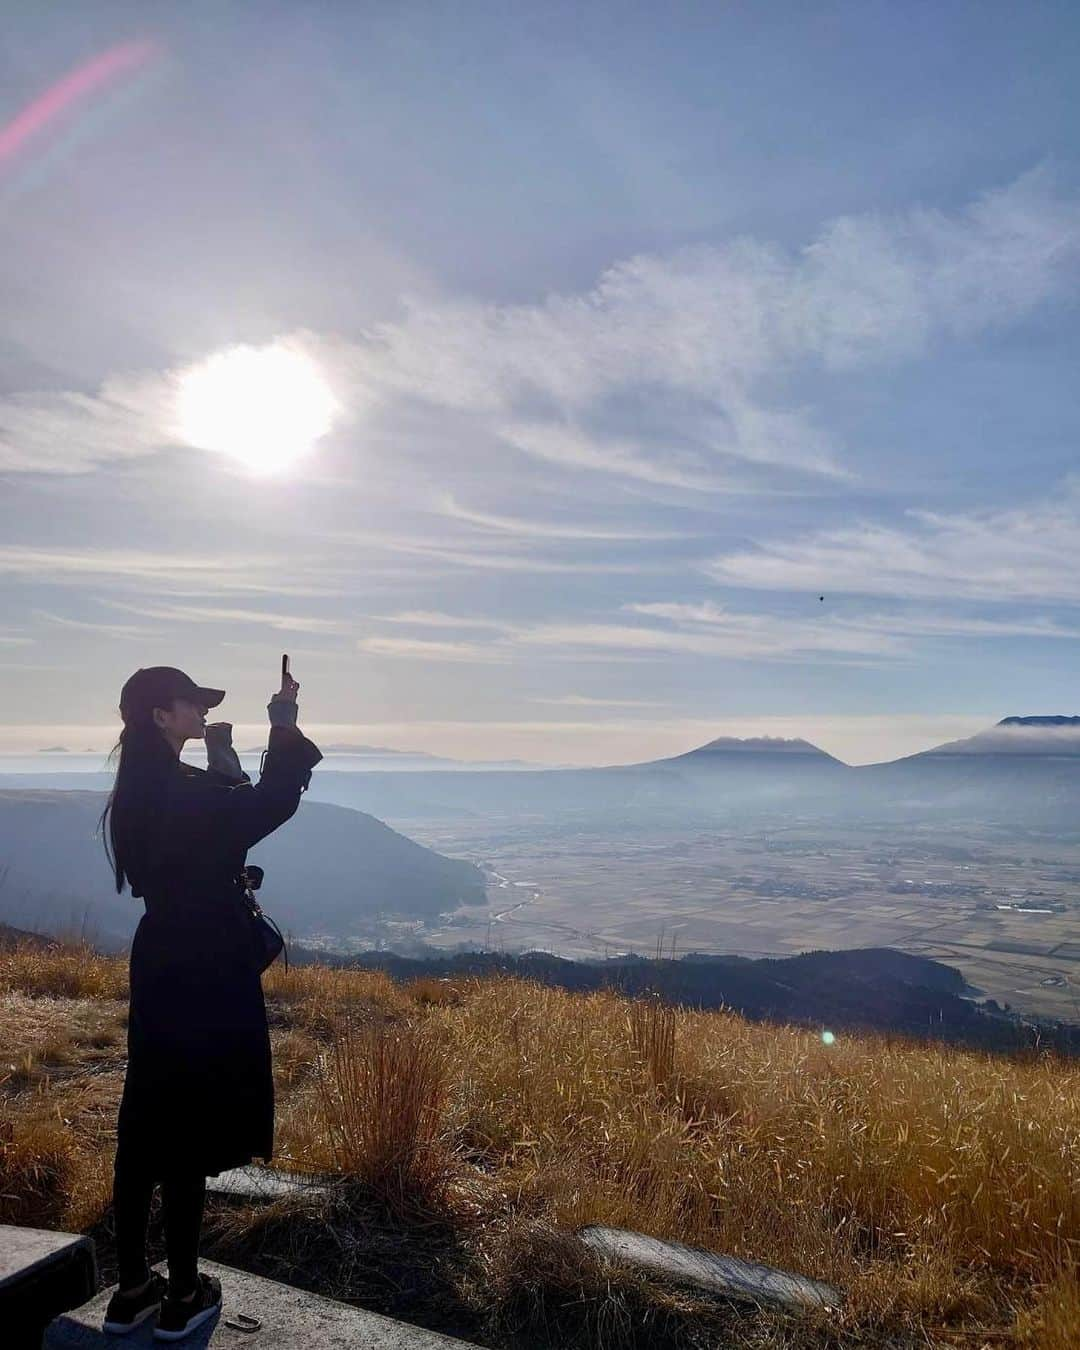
x=267, y=936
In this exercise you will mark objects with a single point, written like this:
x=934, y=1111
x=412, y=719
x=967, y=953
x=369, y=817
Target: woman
x=199, y=1094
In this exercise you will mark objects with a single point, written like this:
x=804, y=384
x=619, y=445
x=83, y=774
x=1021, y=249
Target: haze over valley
x=968, y=854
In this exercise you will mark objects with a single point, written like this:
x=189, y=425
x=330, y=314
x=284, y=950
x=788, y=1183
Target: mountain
x=9, y=937
x=763, y=748
x=1023, y=769
x=332, y=868
x=1055, y=735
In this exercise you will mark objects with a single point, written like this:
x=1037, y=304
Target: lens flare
x=76, y=85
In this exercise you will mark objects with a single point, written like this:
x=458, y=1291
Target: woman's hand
x=218, y=735
x=220, y=754
x=282, y=708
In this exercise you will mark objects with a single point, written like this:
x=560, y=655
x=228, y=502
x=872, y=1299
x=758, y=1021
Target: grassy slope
x=473, y=1123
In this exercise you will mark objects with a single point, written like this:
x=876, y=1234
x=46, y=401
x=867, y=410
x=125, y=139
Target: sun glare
x=263, y=406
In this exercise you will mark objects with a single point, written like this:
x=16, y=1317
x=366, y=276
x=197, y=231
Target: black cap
x=156, y=687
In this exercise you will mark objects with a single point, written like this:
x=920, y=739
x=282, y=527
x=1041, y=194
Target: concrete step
x=42, y=1272
x=291, y=1319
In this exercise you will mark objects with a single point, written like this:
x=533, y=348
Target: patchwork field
x=1006, y=914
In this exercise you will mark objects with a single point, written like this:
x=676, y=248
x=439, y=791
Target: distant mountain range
x=1024, y=769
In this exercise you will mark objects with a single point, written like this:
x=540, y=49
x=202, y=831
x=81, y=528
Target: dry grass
x=63, y=971
x=938, y=1188
x=381, y=1096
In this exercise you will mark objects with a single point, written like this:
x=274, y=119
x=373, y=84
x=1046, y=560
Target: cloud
x=110, y=630
x=1020, y=553
x=697, y=335
x=673, y=371
x=69, y=432
x=520, y=527
x=737, y=636
x=421, y=648
x=434, y=619
x=706, y=629
x=583, y=701
x=477, y=555
x=904, y=624
x=297, y=623
x=164, y=572
x=573, y=448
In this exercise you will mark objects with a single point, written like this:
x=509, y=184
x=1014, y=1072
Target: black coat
x=199, y=1090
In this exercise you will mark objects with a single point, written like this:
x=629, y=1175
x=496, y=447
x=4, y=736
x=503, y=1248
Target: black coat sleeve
x=248, y=812
x=208, y=816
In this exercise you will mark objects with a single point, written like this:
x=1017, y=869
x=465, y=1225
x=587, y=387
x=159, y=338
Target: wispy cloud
x=1022, y=553
x=524, y=528
x=670, y=370
x=693, y=339
x=727, y=634
x=426, y=618
x=110, y=630
x=297, y=623
x=708, y=614
x=161, y=571
x=421, y=648
x=583, y=701
x=741, y=637
x=707, y=629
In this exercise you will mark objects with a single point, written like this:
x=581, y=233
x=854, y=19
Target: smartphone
x=284, y=669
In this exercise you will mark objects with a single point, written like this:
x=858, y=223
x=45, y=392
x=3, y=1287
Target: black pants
x=183, y=1194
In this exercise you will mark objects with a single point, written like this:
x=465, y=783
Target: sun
x=263, y=406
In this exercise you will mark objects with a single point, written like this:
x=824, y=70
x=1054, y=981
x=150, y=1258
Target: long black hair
x=147, y=761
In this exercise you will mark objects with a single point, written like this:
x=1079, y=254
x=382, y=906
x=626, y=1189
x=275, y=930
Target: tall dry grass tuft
x=1053, y=1321
x=652, y=1033
x=72, y=970
x=38, y=1166
x=380, y=1095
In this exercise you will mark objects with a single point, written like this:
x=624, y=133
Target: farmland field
x=1006, y=913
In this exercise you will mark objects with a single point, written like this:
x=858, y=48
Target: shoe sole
x=160, y=1334
x=118, y=1328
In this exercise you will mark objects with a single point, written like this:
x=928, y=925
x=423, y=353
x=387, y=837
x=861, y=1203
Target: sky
x=686, y=371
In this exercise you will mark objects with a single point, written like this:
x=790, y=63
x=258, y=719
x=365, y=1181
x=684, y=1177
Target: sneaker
x=128, y=1310
x=177, y=1318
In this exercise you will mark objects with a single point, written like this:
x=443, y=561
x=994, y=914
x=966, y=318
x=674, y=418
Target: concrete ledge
x=42, y=1273
x=727, y=1275
x=291, y=1319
